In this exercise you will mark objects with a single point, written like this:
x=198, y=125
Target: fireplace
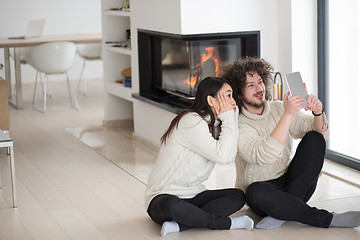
x=171, y=66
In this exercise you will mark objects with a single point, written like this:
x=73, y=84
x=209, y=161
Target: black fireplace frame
x=250, y=44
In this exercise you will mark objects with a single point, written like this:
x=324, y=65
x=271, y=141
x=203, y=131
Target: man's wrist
x=318, y=114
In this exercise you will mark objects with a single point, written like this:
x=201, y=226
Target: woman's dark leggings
x=285, y=198
x=209, y=209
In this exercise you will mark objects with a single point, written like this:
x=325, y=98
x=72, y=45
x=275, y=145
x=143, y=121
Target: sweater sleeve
x=256, y=149
x=303, y=123
x=195, y=136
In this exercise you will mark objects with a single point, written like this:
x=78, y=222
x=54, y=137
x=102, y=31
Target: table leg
x=18, y=101
x=18, y=87
x=7, y=70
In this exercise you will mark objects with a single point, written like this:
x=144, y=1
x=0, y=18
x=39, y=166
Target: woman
x=196, y=139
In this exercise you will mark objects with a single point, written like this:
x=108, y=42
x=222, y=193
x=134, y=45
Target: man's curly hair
x=236, y=72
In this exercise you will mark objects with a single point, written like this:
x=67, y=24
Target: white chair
x=53, y=58
x=89, y=52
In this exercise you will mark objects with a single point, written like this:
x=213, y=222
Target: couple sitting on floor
x=255, y=132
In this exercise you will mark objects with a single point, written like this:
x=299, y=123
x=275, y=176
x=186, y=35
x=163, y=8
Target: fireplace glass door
x=171, y=66
x=185, y=63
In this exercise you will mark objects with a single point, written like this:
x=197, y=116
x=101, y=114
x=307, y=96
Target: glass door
x=340, y=78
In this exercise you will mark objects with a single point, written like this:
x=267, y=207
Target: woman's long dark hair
x=208, y=86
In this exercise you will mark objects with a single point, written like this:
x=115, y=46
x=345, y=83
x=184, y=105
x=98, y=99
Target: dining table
x=15, y=97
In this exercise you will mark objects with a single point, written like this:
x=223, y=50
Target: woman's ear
x=210, y=100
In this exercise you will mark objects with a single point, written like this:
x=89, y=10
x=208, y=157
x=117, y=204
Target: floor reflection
x=117, y=145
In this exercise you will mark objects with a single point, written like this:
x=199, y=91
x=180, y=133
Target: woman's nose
x=233, y=102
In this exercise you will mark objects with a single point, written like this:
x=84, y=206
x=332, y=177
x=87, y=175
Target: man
x=278, y=182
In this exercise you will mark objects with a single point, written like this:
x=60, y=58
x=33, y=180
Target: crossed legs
x=209, y=209
x=286, y=198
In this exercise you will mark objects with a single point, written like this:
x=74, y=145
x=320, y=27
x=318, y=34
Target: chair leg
x=84, y=80
x=44, y=93
x=41, y=83
x=33, y=101
x=72, y=97
x=49, y=91
x=45, y=89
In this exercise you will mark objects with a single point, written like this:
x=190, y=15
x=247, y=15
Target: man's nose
x=258, y=87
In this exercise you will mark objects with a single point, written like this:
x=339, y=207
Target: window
x=339, y=77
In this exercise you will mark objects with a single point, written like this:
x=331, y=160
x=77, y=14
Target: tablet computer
x=296, y=86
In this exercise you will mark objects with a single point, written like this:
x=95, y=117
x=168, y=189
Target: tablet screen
x=296, y=86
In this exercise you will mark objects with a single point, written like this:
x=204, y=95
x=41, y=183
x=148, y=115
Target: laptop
x=35, y=28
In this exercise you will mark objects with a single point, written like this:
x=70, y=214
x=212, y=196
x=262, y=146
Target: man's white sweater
x=190, y=154
x=261, y=157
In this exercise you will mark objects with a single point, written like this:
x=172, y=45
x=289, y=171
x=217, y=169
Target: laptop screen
x=35, y=27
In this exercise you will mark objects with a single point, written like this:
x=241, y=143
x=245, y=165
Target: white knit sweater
x=260, y=157
x=190, y=154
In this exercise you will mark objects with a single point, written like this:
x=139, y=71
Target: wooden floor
x=66, y=190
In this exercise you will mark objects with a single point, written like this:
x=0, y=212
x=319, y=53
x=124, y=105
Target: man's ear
x=210, y=100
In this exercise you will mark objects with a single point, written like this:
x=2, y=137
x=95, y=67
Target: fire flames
x=207, y=55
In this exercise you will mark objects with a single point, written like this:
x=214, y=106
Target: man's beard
x=254, y=104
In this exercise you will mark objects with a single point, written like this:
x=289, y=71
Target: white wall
x=62, y=17
x=151, y=122
x=304, y=41
x=211, y=16
x=284, y=40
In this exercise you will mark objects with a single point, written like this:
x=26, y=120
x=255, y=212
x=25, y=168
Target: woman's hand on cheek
x=224, y=104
